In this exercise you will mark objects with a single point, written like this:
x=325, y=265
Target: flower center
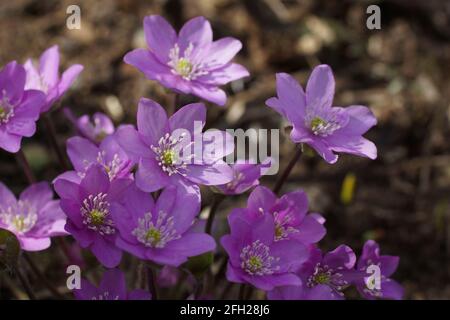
x=316, y=123
x=323, y=120
x=321, y=127
x=282, y=227
x=113, y=168
x=95, y=213
x=20, y=217
x=256, y=259
x=184, y=65
x=322, y=278
x=97, y=217
x=323, y=274
x=6, y=109
x=167, y=155
x=156, y=234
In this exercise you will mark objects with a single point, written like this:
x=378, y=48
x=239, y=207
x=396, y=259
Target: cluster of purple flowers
x=137, y=188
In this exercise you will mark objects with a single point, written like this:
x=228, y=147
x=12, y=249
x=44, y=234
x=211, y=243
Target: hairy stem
x=173, y=107
x=25, y=284
x=41, y=276
x=23, y=162
x=54, y=142
x=151, y=280
x=288, y=170
x=242, y=292
x=218, y=198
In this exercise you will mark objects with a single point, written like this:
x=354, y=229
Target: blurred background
x=402, y=72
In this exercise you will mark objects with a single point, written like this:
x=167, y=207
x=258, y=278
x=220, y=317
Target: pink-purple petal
x=320, y=87
x=49, y=65
x=152, y=121
x=160, y=36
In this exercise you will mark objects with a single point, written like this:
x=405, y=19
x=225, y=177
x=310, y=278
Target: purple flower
x=323, y=277
x=88, y=209
x=174, y=151
x=96, y=130
x=34, y=218
x=246, y=176
x=256, y=258
x=83, y=154
x=190, y=62
x=162, y=232
x=290, y=215
x=112, y=287
x=46, y=78
x=388, y=289
x=19, y=108
x=317, y=123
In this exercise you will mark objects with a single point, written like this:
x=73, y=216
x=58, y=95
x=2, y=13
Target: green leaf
x=199, y=264
x=9, y=250
x=37, y=155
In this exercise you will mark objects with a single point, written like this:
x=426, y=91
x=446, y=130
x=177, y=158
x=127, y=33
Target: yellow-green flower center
x=279, y=231
x=322, y=278
x=255, y=263
x=19, y=223
x=153, y=235
x=97, y=217
x=168, y=157
x=21, y=217
x=2, y=112
x=6, y=112
x=316, y=123
x=183, y=67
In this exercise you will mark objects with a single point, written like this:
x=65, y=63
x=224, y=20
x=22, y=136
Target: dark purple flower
x=290, y=215
x=96, y=130
x=256, y=258
x=317, y=123
x=162, y=232
x=323, y=277
x=389, y=289
x=45, y=77
x=246, y=176
x=83, y=154
x=190, y=62
x=88, y=209
x=34, y=218
x=112, y=287
x=19, y=108
x=174, y=151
